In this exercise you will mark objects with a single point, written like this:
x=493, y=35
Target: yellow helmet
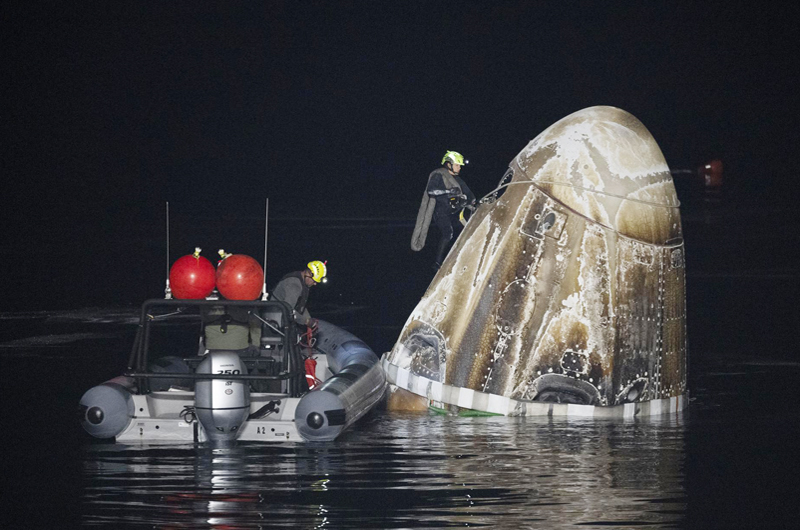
x=454, y=158
x=318, y=271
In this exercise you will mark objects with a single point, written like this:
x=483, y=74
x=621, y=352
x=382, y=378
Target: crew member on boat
x=294, y=289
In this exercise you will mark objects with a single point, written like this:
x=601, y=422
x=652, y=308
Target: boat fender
x=311, y=373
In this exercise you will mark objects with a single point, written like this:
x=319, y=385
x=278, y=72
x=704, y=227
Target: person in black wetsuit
x=446, y=196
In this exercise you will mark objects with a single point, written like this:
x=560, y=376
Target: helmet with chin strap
x=454, y=158
x=319, y=271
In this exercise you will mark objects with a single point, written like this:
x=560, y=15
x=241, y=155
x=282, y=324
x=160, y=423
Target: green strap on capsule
x=463, y=413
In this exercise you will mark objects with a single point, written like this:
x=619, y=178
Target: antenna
x=266, y=228
x=167, y=290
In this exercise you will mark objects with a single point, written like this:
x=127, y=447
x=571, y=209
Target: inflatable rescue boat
x=218, y=370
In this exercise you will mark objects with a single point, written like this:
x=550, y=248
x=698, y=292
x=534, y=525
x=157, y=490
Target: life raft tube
x=107, y=409
x=357, y=385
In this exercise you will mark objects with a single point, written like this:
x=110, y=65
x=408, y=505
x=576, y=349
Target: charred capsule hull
x=567, y=286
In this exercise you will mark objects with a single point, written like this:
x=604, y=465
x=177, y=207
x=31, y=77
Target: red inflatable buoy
x=191, y=277
x=712, y=174
x=239, y=277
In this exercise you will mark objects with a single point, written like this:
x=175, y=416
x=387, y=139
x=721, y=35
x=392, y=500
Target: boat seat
x=271, y=338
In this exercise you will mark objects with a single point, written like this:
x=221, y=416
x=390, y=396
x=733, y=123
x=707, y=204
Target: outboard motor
x=222, y=405
x=107, y=409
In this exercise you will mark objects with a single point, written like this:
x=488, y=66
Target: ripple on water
x=403, y=471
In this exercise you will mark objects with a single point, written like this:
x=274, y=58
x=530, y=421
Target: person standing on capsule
x=445, y=198
x=294, y=289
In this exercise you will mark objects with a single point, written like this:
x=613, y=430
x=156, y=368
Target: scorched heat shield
x=565, y=293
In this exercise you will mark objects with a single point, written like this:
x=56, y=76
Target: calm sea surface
x=730, y=461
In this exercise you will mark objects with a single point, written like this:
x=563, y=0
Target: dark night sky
x=114, y=108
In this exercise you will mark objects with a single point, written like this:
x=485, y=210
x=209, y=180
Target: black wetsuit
x=448, y=207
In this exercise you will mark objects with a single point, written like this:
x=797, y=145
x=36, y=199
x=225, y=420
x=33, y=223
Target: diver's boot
x=441, y=253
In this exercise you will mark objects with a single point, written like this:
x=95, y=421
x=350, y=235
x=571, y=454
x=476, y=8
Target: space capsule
x=565, y=293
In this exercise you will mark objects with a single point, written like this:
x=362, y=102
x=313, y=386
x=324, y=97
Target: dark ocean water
x=730, y=461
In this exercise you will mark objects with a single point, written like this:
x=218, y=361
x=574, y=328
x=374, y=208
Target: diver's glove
x=458, y=201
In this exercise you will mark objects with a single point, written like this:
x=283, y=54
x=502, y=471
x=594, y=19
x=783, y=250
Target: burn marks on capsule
x=546, y=223
x=426, y=351
x=567, y=285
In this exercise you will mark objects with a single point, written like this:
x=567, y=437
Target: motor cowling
x=222, y=405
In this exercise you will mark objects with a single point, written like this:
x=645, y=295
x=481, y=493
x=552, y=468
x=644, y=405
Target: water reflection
x=403, y=471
